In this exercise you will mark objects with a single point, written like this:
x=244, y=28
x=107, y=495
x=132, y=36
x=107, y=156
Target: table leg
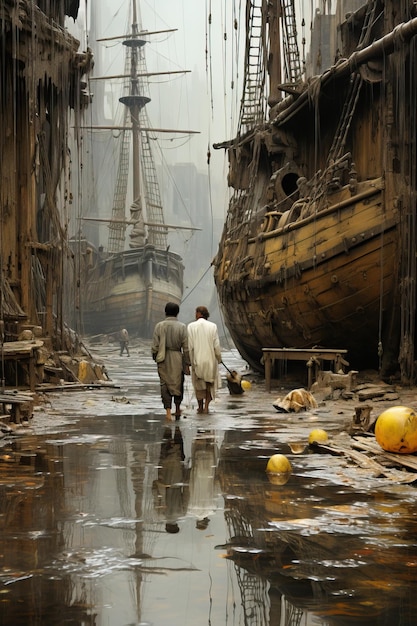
x=268, y=367
x=310, y=366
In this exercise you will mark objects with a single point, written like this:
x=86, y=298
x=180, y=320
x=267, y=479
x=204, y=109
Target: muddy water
x=111, y=516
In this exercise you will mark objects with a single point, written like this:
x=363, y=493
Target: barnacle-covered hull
x=318, y=247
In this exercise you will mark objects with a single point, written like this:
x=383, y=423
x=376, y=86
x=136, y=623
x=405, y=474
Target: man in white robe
x=205, y=356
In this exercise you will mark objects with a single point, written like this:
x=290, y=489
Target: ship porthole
x=289, y=183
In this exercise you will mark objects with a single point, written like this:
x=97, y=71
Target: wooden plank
x=364, y=461
x=11, y=398
x=370, y=445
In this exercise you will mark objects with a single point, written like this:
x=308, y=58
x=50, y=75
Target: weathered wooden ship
x=128, y=283
x=319, y=243
x=43, y=96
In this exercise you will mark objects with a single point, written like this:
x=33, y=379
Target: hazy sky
x=206, y=100
x=202, y=100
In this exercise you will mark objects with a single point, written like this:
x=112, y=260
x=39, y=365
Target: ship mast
x=270, y=27
x=135, y=102
x=146, y=211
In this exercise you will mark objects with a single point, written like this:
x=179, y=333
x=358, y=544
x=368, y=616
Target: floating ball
x=318, y=435
x=278, y=463
x=245, y=384
x=396, y=430
x=278, y=469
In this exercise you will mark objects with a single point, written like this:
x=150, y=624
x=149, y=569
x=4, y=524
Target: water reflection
x=203, y=478
x=118, y=518
x=344, y=555
x=171, y=489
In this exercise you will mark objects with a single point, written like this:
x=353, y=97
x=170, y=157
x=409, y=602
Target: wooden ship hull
x=130, y=290
x=318, y=247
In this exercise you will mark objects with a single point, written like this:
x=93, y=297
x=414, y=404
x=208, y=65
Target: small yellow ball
x=318, y=435
x=279, y=464
x=245, y=384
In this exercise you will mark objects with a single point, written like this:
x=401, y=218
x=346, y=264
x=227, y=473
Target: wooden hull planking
x=324, y=279
x=318, y=247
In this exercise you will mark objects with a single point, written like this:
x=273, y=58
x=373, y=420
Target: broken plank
x=370, y=445
x=45, y=387
x=364, y=461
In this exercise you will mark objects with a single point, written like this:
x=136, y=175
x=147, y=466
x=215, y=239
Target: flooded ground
x=111, y=516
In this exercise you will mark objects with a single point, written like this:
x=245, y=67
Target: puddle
x=109, y=515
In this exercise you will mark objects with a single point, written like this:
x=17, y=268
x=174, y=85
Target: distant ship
x=319, y=243
x=129, y=288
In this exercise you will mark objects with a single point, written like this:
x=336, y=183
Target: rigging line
x=232, y=61
x=381, y=292
x=210, y=60
x=238, y=36
x=225, y=333
x=224, y=50
x=197, y=283
x=210, y=198
x=173, y=180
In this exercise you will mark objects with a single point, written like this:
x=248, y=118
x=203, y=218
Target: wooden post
x=268, y=368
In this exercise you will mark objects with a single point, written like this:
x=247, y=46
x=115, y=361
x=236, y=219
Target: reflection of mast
x=253, y=588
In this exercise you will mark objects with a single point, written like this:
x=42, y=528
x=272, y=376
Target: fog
x=197, y=96
x=207, y=44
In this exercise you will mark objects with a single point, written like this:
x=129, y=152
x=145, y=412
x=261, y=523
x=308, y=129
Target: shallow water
x=111, y=516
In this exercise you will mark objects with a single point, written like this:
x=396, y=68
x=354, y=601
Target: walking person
x=205, y=356
x=124, y=341
x=170, y=351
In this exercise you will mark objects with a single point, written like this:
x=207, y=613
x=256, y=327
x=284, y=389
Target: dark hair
x=172, y=528
x=172, y=309
x=203, y=312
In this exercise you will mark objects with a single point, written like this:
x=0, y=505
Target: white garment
x=203, y=489
x=205, y=353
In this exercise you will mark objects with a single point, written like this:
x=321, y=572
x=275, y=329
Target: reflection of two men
x=186, y=487
x=171, y=490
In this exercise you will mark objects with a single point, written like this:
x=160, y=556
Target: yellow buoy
x=396, y=430
x=245, y=384
x=278, y=469
x=318, y=435
x=278, y=463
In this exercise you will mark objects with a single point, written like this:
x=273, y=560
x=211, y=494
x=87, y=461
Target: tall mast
x=135, y=102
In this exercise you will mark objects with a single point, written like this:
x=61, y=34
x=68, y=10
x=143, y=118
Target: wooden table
x=301, y=354
x=23, y=353
x=16, y=402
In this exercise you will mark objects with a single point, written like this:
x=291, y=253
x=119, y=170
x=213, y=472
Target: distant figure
x=170, y=351
x=205, y=356
x=124, y=341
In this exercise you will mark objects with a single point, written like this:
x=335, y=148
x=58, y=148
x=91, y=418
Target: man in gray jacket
x=170, y=351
